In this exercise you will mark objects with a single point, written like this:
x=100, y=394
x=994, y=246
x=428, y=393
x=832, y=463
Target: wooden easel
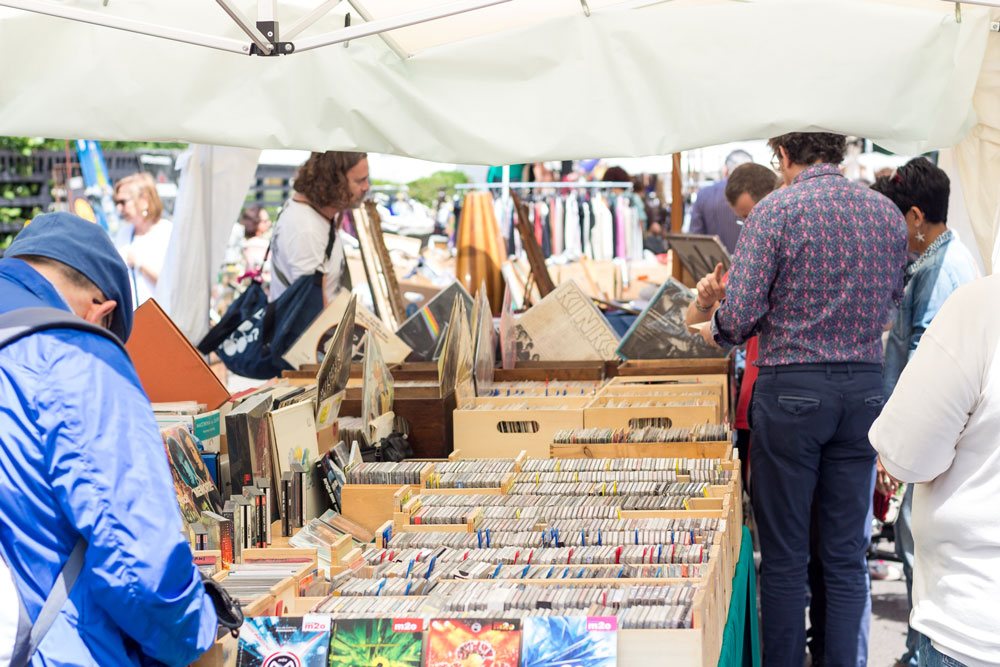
x=386, y=295
x=539, y=272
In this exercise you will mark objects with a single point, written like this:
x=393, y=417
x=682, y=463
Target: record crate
x=683, y=390
x=371, y=505
x=709, y=449
x=704, y=370
x=619, y=412
x=699, y=366
x=428, y=414
x=563, y=371
x=488, y=428
x=699, y=646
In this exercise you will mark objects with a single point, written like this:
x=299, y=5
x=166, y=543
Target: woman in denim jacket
x=943, y=263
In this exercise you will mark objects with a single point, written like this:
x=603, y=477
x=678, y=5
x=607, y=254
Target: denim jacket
x=945, y=266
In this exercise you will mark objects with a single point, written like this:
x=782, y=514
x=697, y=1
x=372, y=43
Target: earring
x=920, y=236
x=145, y=212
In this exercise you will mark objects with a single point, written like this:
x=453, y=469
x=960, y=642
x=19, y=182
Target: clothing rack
x=556, y=185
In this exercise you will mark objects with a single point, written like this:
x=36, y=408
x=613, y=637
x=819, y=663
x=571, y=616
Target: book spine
x=226, y=541
x=268, y=504
x=297, y=491
x=286, y=507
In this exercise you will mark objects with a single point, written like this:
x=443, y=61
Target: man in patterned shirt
x=817, y=273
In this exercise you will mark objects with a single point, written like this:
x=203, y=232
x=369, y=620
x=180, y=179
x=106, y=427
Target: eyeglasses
x=776, y=163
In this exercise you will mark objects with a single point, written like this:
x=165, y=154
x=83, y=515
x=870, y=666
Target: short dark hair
x=811, y=147
x=72, y=276
x=755, y=179
x=250, y=218
x=322, y=179
x=918, y=183
x=616, y=175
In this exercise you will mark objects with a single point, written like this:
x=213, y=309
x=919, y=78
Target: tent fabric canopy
x=556, y=84
x=526, y=80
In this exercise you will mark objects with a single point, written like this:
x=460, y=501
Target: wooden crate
x=709, y=366
x=479, y=435
x=633, y=450
x=428, y=414
x=712, y=391
x=580, y=371
x=371, y=505
x=598, y=414
x=519, y=460
x=644, y=371
x=406, y=371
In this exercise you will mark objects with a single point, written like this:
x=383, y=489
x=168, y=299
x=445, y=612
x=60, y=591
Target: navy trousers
x=810, y=425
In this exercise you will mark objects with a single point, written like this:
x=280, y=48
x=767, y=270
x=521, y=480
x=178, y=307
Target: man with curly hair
x=306, y=237
x=817, y=274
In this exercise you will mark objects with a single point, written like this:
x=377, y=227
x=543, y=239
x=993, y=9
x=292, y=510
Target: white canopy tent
x=556, y=85
x=526, y=80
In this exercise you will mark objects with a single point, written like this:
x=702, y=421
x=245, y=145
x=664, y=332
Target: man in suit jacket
x=711, y=213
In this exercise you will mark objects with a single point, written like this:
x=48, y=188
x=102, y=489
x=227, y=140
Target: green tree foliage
x=425, y=190
x=27, y=144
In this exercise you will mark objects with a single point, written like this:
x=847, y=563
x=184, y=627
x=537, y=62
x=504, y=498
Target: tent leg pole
x=676, y=213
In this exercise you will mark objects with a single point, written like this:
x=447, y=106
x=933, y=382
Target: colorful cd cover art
x=376, y=642
x=192, y=483
x=474, y=643
x=556, y=641
x=284, y=641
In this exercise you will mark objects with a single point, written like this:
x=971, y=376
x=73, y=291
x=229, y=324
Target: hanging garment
x=557, y=225
x=587, y=221
x=544, y=213
x=621, y=215
x=573, y=241
x=602, y=235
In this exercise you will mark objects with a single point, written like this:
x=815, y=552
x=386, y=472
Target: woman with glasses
x=144, y=235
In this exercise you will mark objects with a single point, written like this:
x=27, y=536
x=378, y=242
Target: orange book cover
x=170, y=368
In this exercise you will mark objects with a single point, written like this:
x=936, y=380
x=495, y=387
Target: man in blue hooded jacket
x=81, y=456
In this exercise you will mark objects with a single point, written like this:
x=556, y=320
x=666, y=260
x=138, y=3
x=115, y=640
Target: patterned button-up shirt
x=817, y=272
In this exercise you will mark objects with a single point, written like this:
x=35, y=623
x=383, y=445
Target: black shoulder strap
x=333, y=231
x=14, y=326
x=17, y=324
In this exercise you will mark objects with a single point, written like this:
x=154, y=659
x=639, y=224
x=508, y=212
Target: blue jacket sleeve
x=698, y=217
x=930, y=290
x=109, y=470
